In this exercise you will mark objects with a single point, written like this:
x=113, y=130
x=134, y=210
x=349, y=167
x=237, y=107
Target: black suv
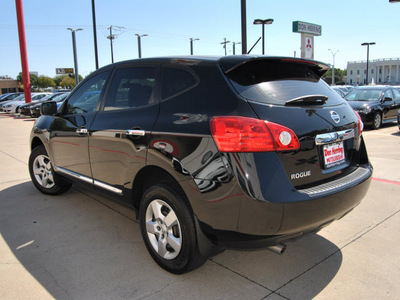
x=214, y=153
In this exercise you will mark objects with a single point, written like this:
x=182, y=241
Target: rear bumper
x=297, y=219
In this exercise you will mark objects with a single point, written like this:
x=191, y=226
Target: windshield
x=276, y=82
x=364, y=95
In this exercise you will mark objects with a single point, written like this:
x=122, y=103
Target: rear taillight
x=241, y=134
x=360, y=124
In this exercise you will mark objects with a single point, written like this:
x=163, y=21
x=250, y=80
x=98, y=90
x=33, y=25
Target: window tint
x=276, y=82
x=175, y=80
x=132, y=87
x=396, y=94
x=388, y=94
x=85, y=99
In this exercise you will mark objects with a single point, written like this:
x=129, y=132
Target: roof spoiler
x=230, y=63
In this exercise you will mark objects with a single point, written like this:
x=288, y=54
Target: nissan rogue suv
x=235, y=152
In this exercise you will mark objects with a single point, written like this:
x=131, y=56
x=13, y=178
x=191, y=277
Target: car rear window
x=276, y=82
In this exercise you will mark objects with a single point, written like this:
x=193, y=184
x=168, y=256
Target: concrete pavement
x=83, y=246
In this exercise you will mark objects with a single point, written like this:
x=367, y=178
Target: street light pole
x=139, y=44
x=75, y=55
x=263, y=22
x=191, y=44
x=96, y=57
x=234, y=47
x=367, y=44
x=333, y=66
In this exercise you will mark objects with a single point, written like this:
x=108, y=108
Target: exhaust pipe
x=278, y=249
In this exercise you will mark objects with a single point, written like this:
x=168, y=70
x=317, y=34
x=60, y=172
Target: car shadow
x=385, y=125
x=397, y=133
x=80, y=245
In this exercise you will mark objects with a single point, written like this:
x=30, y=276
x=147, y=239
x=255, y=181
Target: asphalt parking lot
x=83, y=246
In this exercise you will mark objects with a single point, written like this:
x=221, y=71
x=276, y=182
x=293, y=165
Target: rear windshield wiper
x=308, y=99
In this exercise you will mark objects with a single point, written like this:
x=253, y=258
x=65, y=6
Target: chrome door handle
x=137, y=132
x=81, y=130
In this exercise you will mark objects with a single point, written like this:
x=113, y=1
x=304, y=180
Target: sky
x=346, y=24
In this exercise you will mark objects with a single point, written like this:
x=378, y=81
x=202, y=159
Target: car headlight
x=365, y=110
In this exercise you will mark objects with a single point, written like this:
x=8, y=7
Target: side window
x=85, y=99
x=175, y=81
x=396, y=94
x=132, y=87
x=389, y=94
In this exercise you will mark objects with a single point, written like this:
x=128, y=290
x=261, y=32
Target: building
x=381, y=71
x=8, y=86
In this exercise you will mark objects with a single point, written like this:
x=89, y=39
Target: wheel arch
x=152, y=175
x=36, y=141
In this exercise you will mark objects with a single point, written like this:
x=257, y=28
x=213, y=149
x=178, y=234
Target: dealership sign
x=303, y=27
x=64, y=71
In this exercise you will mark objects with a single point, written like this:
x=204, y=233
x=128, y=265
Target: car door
x=396, y=102
x=388, y=105
x=119, y=134
x=69, y=132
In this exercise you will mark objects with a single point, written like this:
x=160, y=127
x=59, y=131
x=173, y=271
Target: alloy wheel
x=163, y=229
x=43, y=172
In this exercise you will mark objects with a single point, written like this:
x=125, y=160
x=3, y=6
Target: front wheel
x=168, y=230
x=377, y=121
x=42, y=174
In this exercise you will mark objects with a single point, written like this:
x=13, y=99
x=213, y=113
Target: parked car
x=398, y=118
x=375, y=104
x=25, y=109
x=2, y=104
x=35, y=109
x=338, y=90
x=8, y=97
x=233, y=152
x=14, y=106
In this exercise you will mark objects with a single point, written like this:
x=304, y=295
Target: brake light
x=360, y=124
x=241, y=134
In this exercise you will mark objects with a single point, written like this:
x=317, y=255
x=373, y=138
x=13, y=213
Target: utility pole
x=111, y=37
x=224, y=44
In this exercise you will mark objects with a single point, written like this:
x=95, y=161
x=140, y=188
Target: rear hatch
x=290, y=92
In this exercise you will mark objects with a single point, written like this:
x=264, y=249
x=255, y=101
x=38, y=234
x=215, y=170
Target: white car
x=13, y=106
x=2, y=104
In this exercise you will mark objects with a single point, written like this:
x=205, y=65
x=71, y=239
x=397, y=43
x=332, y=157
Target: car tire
x=42, y=173
x=168, y=230
x=377, y=121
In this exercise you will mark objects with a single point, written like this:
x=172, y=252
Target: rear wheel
x=42, y=174
x=168, y=230
x=377, y=121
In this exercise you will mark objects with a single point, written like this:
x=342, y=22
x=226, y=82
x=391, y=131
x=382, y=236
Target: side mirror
x=48, y=108
x=387, y=99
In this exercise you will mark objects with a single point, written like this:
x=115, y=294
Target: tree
x=58, y=79
x=339, y=74
x=44, y=82
x=68, y=82
x=33, y=79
